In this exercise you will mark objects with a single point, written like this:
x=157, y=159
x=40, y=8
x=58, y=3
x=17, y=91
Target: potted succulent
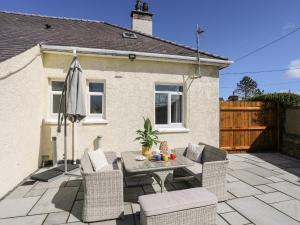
x=147, y=138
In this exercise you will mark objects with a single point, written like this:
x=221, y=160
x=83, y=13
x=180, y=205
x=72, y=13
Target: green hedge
x=284, y=99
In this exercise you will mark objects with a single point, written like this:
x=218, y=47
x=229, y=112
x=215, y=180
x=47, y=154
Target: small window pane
x=176, y=109
x=96, y=87
x=176, y=88
x=161, y=108
x=57, y=85
x=55, y=103
x=96, y=105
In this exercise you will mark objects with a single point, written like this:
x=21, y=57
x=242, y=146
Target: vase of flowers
x=147, y=138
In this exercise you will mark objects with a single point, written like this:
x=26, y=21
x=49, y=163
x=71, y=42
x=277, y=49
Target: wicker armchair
x=103, y=190
x=211, y=172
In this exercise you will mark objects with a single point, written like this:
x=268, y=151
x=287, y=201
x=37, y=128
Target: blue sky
x=232, y=28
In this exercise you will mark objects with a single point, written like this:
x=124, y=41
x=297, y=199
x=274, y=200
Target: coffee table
x=158, y=169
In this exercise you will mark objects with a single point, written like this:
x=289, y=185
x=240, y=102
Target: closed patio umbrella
x=72, y=102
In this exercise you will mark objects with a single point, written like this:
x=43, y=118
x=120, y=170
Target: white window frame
x=51, y=92
x=89, y=94
x=170, y=94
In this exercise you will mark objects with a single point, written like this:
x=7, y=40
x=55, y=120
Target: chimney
x=141, y=18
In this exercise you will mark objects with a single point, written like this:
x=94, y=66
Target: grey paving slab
x=132, y=194
x=268, y=166
x=241, y=189
x=16, y=206
x=291, y=208
x=230, y=196
x=150, y=189
x=224, y=208
x=249, y=178
x=35, y=192
x=288, y=188
x=260, y=213
x=76, y=212
x=20, y=191
x=28, y=220
x=79, y=196
x=230, y=178
x=73, y=183
x=235, y=218
x=290, y=177
x=275, y=179
x=76, y=223
x=221, y=221
x=127, y=209
x=263, y=172
x=273, y=197
x=55, y=200
x=59, y=182
x=128, y=220
x=239, y=165
x=265, y=188
x=236, y=158
x=56, y=218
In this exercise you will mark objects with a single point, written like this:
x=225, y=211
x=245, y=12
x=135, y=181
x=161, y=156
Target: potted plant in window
x=147, y=138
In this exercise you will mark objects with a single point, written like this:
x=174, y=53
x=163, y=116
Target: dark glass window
x=176, y=108
x=96, y=104
x=161, y=108
x=174, y=88
x=96, y=87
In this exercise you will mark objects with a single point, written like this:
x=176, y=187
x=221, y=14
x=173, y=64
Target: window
x=55, y=95
x=168, y=105
x=95, y=92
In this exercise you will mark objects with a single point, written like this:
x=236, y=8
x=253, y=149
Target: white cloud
x=289, y=27
x=294, y=69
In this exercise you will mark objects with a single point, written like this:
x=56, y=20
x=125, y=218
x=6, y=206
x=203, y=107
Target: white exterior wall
x=130, y=98
x=21, y=101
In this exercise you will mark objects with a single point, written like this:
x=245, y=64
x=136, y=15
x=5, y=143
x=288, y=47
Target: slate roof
x=19, y=32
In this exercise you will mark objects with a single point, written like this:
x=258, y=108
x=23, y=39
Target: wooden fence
x=249, y=126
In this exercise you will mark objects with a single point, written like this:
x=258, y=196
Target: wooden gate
x=248, y=126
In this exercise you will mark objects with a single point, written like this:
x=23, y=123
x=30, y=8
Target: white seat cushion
x=163, y=203
x=194, y=152
x=98, y=159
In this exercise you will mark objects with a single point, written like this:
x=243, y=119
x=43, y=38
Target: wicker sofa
x=193, y=206
x=211, y=172
x=103, y=190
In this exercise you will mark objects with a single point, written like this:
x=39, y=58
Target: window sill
x=172, y=130
x=94, y=121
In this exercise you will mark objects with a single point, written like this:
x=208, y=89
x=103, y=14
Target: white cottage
x=129, y=74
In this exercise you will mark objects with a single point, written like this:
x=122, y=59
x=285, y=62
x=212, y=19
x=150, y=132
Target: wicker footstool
x=196, y=206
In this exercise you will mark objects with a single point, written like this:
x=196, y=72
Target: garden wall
x=291, y=134
x=21, y=111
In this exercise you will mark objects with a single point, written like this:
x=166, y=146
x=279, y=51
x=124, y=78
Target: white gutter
x=139, y=55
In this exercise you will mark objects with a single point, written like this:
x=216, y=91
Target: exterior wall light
x=132, y=57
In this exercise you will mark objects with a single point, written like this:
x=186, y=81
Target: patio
x=264, y=188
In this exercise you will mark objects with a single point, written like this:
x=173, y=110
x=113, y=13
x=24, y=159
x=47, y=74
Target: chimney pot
x=138, y=5
x=145, y=7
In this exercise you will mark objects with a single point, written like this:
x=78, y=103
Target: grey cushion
x=163, y=203
x=194, y=152
x=211, y=154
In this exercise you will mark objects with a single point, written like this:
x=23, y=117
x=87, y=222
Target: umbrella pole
x=65, y=134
